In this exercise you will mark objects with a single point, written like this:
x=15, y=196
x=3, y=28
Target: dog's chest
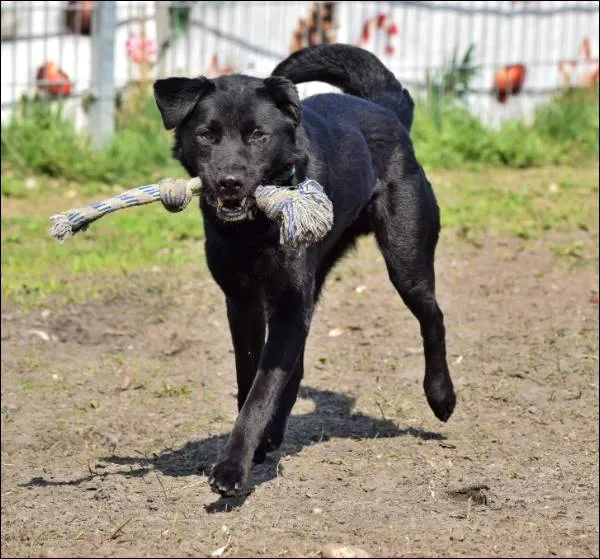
x=266, y=269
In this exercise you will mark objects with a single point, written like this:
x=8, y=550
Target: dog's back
x=355, y=71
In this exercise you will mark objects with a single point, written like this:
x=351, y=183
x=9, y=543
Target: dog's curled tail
x=355, y=71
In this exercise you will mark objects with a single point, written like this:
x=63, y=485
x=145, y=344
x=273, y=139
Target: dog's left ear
x=284, y=93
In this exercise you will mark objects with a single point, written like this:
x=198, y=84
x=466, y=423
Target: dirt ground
x=113, y=412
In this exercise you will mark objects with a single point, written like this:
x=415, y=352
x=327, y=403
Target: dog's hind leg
x=405, y=218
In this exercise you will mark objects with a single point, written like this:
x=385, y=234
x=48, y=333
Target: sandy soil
x=113, y=411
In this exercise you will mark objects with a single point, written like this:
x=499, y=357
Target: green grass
x=485, y=180
x=34, y=266
x=524, y=203
x=563, y=132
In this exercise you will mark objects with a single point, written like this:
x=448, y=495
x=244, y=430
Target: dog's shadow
x=331, y=418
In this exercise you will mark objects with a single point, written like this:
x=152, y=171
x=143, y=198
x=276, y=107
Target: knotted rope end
x=61, y=228
x=176, y=194
x=304, y=213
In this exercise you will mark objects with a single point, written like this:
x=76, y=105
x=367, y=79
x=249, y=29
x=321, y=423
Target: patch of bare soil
x=112, y=413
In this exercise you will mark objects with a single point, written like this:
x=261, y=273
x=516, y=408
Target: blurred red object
x=78, y=16
x=381, y=22
x=509, y=80
x=140, y=50
x=53, y=81
x=214, y=70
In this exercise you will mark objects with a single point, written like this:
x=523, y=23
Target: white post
x=102, y=118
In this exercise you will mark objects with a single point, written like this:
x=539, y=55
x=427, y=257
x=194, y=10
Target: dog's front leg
x=247, y=324
x=288, y=328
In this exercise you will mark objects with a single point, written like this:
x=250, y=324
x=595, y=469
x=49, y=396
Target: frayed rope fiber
x=304, y=212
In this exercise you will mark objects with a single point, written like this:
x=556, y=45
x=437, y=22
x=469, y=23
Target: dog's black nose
x=230, y=184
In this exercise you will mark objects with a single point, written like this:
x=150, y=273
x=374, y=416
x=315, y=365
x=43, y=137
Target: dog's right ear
x=177, y=97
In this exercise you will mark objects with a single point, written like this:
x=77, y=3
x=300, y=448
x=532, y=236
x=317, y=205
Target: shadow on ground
x=331, y=418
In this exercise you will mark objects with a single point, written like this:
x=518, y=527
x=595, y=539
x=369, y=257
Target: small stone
x=457, y=536
x=40, y=334
x=31, y=183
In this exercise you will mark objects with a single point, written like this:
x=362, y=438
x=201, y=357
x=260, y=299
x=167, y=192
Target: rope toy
x=304, y=212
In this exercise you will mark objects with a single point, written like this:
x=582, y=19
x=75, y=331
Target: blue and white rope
x=304, y=212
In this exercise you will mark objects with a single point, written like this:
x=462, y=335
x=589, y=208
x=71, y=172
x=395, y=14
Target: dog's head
x=234, y=132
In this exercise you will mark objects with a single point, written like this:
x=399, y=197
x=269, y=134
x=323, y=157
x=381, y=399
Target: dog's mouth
x=235, y=209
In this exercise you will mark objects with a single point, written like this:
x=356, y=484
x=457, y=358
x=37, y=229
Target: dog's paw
x=441, y=397
x=227, y=478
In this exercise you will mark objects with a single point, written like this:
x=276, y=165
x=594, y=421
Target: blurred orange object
x=53, y=81
x=509, y=80
x=584, y=66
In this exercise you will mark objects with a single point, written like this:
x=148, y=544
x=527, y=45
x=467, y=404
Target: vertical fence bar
x=484, y=99
x=536, y=58
x=46, y=34
x=174, y=40
x=61, y=49
x=348, y=8
x=103, y=61
x=77, y=31
x=30, y=69
x=204, y=39
x=495, y=47
x=470, y=24
x=188, y=44
x=163, y=36
x=14, y=51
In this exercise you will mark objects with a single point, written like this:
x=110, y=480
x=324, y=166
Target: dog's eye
x=207, y=136
x=257, y=135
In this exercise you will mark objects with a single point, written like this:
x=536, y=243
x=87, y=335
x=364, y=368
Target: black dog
x=237, y=132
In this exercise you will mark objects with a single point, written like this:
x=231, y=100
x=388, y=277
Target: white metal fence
x=548, y=44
